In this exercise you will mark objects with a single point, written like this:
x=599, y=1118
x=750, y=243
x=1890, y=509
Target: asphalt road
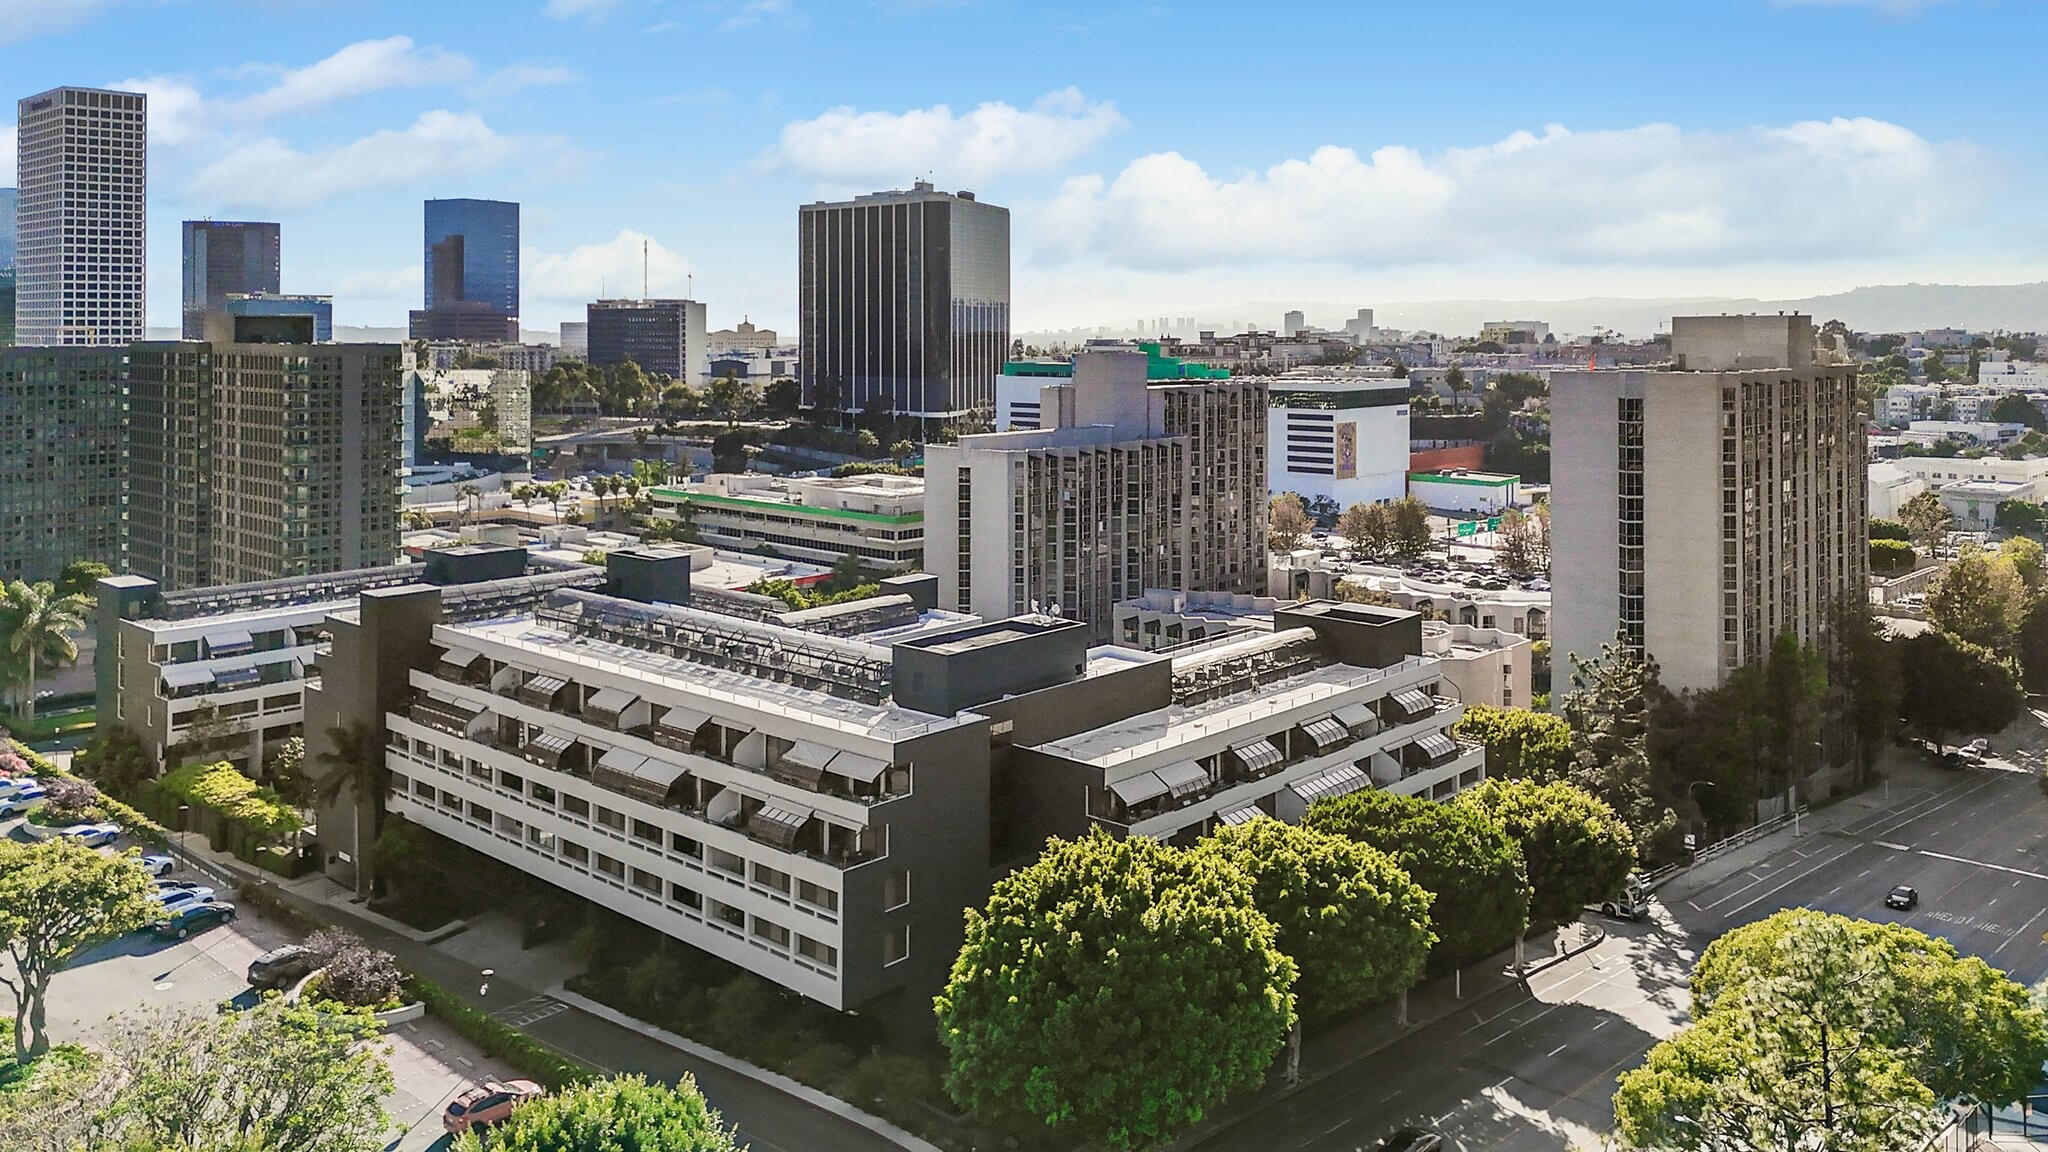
x=1536, y=1072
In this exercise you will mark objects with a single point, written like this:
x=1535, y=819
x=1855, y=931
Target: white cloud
x=383, y=284
x=572, y=9
x=993, y=140
x=362, y=67
x=513, y=77
x=1652, y=195
x=27, y=19
x=178, y=114
x=611, y=269
x=773, y=13
x=270, y=174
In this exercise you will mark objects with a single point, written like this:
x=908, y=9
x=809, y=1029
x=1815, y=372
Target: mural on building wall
x=1347, y=451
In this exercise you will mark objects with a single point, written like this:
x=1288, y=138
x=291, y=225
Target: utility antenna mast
x=643, y=269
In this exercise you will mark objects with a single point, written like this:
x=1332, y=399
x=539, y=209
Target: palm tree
x=468, y=498
x=355, y=766
x=38, y=625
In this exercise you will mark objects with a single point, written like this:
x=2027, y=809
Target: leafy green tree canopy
x=1890, y=557
x=1575, y=848
x=57, y=898
x=1950, y=685
x=1356, y=927
x=1884, y=529
x=1115, y=990
x=1459, y=853
x=1979, y=598
x=1520, y=744
x=623, y=1114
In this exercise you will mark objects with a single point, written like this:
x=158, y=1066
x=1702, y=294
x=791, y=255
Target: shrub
x=497, y=1039
x=237, y=798
x=69, y=801
x=1889, y=556
x=363, y=977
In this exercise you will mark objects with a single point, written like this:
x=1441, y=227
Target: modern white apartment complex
x=877, y=518
x=1341, y=437
x=1702, y=509
x=82, y=157
x=1128, y=484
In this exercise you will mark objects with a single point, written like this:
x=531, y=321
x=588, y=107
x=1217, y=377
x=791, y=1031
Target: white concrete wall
x=1584, y=543
x=1682, y=528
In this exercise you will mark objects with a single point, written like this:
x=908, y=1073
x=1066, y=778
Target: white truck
x=1631, y=903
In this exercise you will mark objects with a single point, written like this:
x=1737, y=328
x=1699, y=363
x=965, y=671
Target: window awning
x=1244, y=815
x=186, y=675
x=1140, y=788
x=613, y=700
x=232, y=642
x=1437, y=746
x=804, y=754
x=1325, y=732
x=778, y=826
x=236, y=677
x=459, y=657
x=546, y=748
x=621, y=760
x=1257, y=755
x=1335, y=782
x=542, y=690
x=682, y=720
x=1413, y=701
x=1184, y=777
x=1355, y=716
x=858, y=768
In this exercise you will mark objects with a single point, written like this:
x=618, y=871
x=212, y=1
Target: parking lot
x=139, y=972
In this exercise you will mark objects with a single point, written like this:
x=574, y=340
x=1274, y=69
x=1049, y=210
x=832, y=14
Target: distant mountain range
x=1876, y=308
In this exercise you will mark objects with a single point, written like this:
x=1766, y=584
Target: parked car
x=92, y=835
x=280, y=967
x=8, y=787
x=21, y=799
x=1904, y=898
x=194, y=918
x=488, y=1103
x=182, y=886
x=1977, y=749
x=158, y=865
x=1412, y=1140
x=1632, y=902
x=178, y=899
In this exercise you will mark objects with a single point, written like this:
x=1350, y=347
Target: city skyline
x=1134, y=194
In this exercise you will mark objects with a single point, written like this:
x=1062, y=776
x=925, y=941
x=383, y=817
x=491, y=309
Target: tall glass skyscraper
x=224, y=257
x=82, y=156
x=904, y=299
x=472, y=263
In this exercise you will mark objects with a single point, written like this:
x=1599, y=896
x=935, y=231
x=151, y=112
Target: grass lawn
x=51, y=724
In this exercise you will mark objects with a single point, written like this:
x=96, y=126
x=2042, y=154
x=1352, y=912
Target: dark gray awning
x=1184, y=778
x=1325, y=732
x=1413, y=701
x=1335, y=782
x=1257, y=755
x=1244, y=815
x=1437, y=746
x=1140, y=788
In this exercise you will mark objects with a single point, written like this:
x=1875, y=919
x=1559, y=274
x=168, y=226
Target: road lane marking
x=1599, y=1026
x=2021, y=932
x=1982, y=864
x=1892, y=846
x=1835, y=889
x=1796, y=879
x=1555, y=1051
x=1502, y=1036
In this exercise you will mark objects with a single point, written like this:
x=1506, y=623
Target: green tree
x=1454, y=379
x=37, y=625
x=1891, y=557
x=1520, y=744
x=1355, y=925
x=1608, y=709
x=1978, y=599
x=1410, y=523
x=1287, y=523
x=782, y=396
x=1576, y=850
x=116, y=760
x=353, y=766
x=1949, y=685
x=1460, y=854
x=1883, y=529
x=277, y=1077
x=2028, y=561
x=2015, y=408
x=1866, y=667
x=1927, y=518
x=1368, y=528
x=80, y=577
x=728, y=399
x=1114, y=990
x=901, y=451
x=285, y=771
x=2021, y=515
x=2030, y=646
x=622, y=1114
x=58, y=897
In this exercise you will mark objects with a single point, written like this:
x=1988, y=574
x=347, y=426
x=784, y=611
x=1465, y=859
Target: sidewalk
x=1329, y=1050
x=768, y=1116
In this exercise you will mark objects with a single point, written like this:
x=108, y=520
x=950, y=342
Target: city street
x=1536, y=1072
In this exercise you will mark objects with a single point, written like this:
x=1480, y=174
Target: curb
x=776, y=1080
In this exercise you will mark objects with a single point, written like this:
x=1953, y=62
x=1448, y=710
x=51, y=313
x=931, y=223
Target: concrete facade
x=877, y=518
x=82, y=158
x=661, y=336
x=1341, y=438
x=1699, y=512
x=63, y=460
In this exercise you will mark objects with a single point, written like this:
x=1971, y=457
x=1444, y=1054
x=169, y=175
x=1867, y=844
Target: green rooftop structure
x=1158, y=366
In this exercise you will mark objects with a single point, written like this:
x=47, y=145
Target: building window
x=817, y=897
x=610, y=867
x=687, y=897
x=896, y=945
x=727, y=862
x=647, y=882
x=615, y=821
x=823, y=955
x=576, y=806
x=642, y=830
x=682, y=845
x=1629, y=512
x=575, y=853
x=896, y=888
x=772, y=932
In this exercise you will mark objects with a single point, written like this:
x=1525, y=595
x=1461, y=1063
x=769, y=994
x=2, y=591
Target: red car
x=488, y=1103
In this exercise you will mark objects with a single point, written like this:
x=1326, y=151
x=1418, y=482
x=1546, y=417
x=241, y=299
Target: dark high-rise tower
x=82, y=234
x=904, y=298
x=472, y=264
x=223, y=257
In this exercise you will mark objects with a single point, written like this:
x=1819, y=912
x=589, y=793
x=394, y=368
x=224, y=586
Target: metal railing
x=1654, y=878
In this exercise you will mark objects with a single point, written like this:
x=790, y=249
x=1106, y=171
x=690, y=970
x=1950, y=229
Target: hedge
x=135, y=823
x=497, y=1039
x=237, y=798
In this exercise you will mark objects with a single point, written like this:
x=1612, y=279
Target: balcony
x=442, y=716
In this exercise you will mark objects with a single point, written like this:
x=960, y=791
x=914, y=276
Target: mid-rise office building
x=320, y=308
x=661, y=336
x=575, y=338
x=261, y=455
x=1340, y=436
x=903, y=301
x=226, y=257
x=63, y=459
x=1700, y=510
x=472, y=272
x=82, y=156
x=877, y=518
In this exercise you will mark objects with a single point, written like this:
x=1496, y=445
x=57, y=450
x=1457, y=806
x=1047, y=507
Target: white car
x=21, y=799
x=19, y=783
x=92, y=835
x=176, y=900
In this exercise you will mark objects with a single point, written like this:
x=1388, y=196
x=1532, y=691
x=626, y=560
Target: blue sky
x=1158, y=159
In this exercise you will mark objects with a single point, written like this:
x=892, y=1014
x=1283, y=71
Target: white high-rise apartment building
x=1700, y=510
x=81, y=164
